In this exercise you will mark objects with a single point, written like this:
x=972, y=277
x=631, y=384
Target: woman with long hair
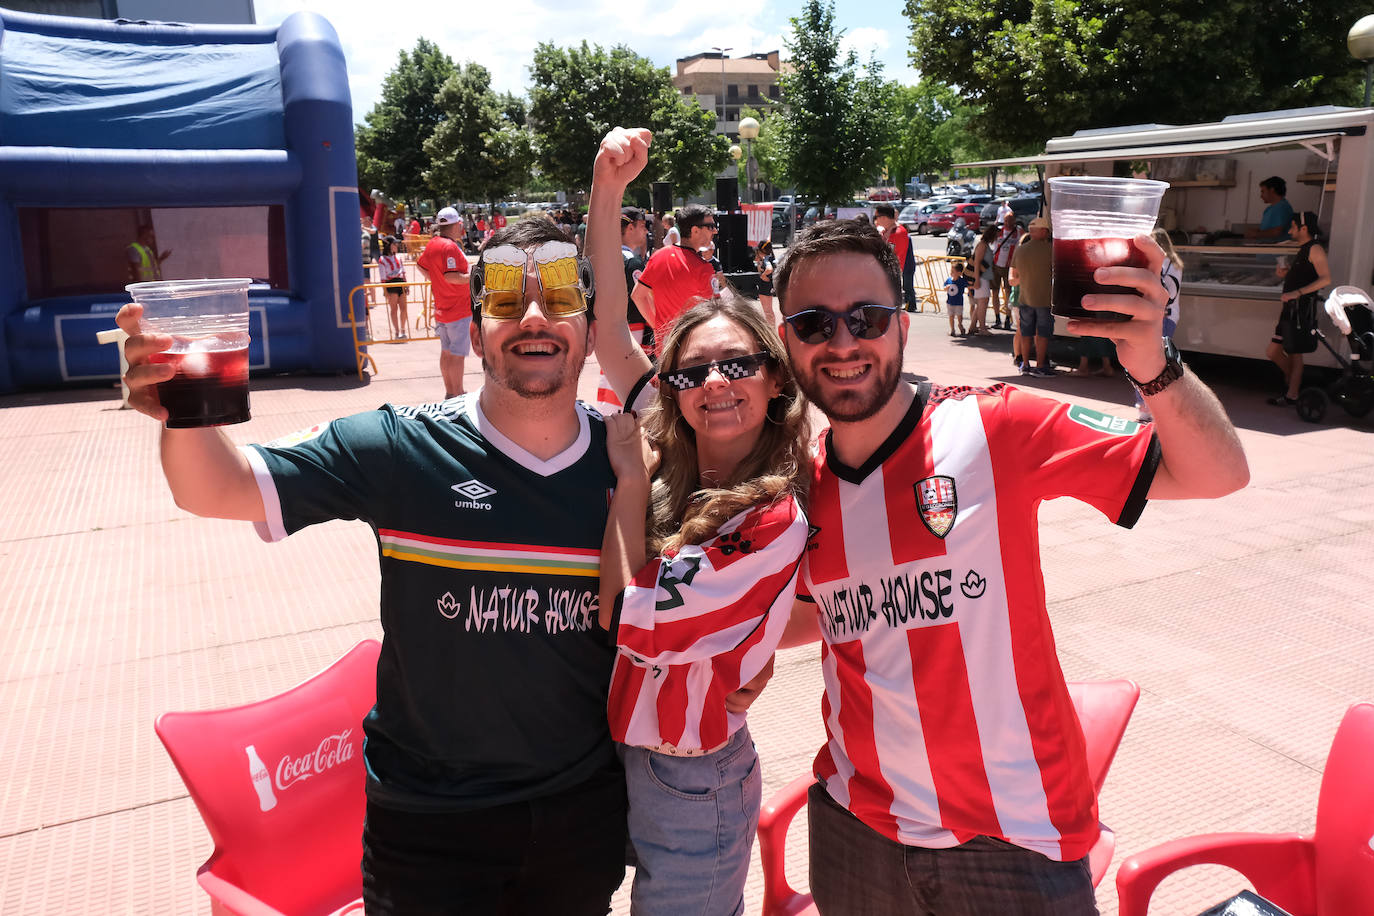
x=983, y=278
x=1308, y=274
x=698, y=568
x=765, y=264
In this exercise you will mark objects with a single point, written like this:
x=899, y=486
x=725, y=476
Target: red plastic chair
x=1327, y=873
x=1104, y=708
x=286, y=816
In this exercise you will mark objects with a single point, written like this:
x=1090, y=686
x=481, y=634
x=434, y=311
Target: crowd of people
x=634, y=574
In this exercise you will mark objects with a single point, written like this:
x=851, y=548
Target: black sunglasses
x=737, y=367
x=711, y=226
x=865, y=322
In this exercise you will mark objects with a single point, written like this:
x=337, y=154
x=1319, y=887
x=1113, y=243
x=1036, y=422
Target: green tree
x=834, y=126
x=924, y=135
x=766, y=146
x=686, y=150
x=579, y=93
x=390, y=142
x=1044, y=68
x=481, y=150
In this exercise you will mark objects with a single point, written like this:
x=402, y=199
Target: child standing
x=954, y=297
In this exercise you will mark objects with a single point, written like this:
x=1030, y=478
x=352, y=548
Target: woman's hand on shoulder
x=633, y=457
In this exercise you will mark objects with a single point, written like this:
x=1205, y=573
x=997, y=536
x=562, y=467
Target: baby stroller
x=1352, y=312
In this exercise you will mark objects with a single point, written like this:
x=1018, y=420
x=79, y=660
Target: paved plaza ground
x=1246, y=621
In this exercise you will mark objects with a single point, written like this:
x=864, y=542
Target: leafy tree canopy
x=834, y=126
x=1044, y=68
x=481, y=150
x=580, y=93
x=390, y=143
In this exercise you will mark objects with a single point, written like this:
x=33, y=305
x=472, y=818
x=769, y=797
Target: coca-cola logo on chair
x=329, y=753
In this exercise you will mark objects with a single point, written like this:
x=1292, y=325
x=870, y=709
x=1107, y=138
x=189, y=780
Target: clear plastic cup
x=1094, y=222
x=208, y=320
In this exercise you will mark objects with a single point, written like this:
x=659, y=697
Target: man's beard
x=532, y=386
x=852, y=405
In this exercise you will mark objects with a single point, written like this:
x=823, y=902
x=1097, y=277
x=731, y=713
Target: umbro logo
x=474, y=491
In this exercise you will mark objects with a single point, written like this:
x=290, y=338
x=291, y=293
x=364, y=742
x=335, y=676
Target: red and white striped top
x=694, y=627
x=946, y=712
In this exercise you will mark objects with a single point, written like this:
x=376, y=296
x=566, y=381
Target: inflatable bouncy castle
x=135, y=151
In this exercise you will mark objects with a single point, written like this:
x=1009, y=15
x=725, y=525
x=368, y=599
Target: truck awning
x=1159, y=151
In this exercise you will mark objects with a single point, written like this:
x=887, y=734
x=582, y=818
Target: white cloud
x=865, y=40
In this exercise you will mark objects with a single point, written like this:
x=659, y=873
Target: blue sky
x=502, y=35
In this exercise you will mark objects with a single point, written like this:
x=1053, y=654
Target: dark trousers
x=909, y=282
x=856, y=871
x=560, y=854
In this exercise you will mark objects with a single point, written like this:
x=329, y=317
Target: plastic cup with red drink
x=1095, y=220
x=208, y=322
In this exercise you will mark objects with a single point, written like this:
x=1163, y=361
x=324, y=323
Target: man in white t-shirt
x=954, y=776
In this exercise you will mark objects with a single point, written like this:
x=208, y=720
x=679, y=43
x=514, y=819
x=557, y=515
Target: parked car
x=925, y=211
x=942, y=220
x=1025, y=209
x=908, y=217
x=780, y=234
x=919, y=190
x=814, y=213
x=981, y=197
x=1006, y=189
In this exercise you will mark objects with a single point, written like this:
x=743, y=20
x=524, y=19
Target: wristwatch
x=1173, y=371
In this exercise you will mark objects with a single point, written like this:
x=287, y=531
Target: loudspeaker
x=663, y=196
x=727, y=194
x=732, y=242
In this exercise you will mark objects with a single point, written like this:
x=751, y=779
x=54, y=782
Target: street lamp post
x=749, y=132
x=722, y=83
x=1360, y=41
x=735, y=154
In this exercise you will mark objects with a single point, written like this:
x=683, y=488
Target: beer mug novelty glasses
x=498, y=284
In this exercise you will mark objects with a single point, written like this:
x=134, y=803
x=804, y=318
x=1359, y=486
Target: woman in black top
x=1309, y=273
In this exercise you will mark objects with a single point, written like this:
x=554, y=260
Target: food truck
x=1230, y=298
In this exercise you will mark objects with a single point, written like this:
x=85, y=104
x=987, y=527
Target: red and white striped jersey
x=946, y=712
x=694, y=627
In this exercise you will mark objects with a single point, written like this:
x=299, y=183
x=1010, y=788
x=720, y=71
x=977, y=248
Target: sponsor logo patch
x=1102, y=422
x=938, y=503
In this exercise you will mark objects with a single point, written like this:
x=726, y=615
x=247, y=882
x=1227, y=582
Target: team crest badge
x=938, y=503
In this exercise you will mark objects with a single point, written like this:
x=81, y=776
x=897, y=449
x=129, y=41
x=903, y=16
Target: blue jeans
x=692, y=823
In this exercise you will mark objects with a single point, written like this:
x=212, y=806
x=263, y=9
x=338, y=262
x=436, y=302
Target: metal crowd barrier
x=933, y=291
x=414, y=244
x=424, y=321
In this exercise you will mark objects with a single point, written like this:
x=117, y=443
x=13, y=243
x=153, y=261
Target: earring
x=778, y=405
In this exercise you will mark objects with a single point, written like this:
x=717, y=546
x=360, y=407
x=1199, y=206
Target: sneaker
x=1282, y=400
x=1024, y=368
x=1042, y=372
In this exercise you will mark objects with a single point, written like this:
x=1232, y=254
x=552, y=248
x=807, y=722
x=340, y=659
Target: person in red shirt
x=677, y=275
x=885, y=217
x=953, y=749
x=498, y=221
x=444, y=264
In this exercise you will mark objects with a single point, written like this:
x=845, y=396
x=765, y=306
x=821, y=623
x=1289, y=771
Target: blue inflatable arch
x=230, y=146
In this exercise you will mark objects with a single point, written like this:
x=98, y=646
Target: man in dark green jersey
x=491, y=780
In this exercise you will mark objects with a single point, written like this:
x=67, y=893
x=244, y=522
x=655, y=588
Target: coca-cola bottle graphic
x=261, y=780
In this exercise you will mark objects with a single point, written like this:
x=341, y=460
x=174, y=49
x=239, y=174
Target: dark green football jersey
x=491, y=686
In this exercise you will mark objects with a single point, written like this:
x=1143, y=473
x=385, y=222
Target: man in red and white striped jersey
x=954, y=776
